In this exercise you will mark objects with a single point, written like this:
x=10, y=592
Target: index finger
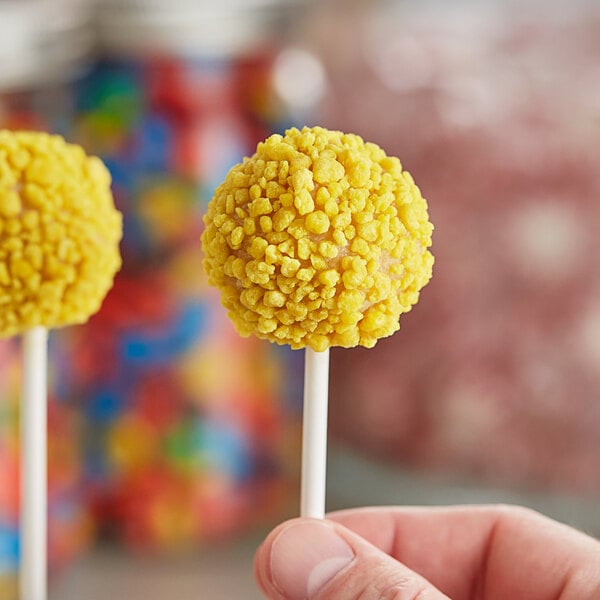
x=488, y=552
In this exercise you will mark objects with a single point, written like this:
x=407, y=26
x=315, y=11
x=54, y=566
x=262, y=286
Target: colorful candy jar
x=187, y=426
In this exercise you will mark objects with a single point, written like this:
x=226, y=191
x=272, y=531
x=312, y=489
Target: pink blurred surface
x=494, y=374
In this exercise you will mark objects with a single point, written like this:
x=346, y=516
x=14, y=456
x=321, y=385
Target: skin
x=463, y=553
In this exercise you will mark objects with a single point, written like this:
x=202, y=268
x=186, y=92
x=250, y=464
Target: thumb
x=313, y=559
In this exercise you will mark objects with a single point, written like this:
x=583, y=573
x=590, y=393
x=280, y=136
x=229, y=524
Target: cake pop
x=318, y=240
x=59, y=252
x=59, y=233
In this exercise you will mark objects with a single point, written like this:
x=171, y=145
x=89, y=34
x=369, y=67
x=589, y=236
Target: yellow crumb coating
x=59, y=232
x=318, y=240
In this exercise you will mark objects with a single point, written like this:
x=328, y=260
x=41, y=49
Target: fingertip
x=299, y=557
x=262, y=560
x=259, y=566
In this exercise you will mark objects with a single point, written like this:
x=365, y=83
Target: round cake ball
x=318, y=240
x=59, y=232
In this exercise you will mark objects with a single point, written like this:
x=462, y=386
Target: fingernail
x=305, y=556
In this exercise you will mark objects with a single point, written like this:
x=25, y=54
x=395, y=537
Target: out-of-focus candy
x=184, y=422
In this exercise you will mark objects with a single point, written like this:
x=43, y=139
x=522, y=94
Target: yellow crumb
x=59, y=232
x=333, y=246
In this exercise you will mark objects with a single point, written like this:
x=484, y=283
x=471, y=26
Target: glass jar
x=189, y=427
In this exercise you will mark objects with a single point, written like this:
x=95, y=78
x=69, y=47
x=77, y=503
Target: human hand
x=463, y=553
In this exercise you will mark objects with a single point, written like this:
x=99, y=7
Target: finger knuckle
x=513, y=511
x=404, y=588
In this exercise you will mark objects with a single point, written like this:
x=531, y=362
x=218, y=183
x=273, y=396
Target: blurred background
x=174, y=444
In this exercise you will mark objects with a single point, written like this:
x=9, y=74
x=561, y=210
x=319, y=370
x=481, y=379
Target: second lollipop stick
x=314, y=434
x=33, y=467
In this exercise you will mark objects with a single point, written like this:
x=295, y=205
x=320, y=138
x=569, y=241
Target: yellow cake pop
x=59, y=233
x=318, y=240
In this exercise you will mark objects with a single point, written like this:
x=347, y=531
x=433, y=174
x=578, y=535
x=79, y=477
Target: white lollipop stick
x=33, y=465
x=314, y=434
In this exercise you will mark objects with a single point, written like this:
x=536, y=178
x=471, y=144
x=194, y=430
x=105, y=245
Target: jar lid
x=189, y=27
x=42, y=41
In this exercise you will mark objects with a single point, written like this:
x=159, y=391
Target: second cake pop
x=59, y=233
